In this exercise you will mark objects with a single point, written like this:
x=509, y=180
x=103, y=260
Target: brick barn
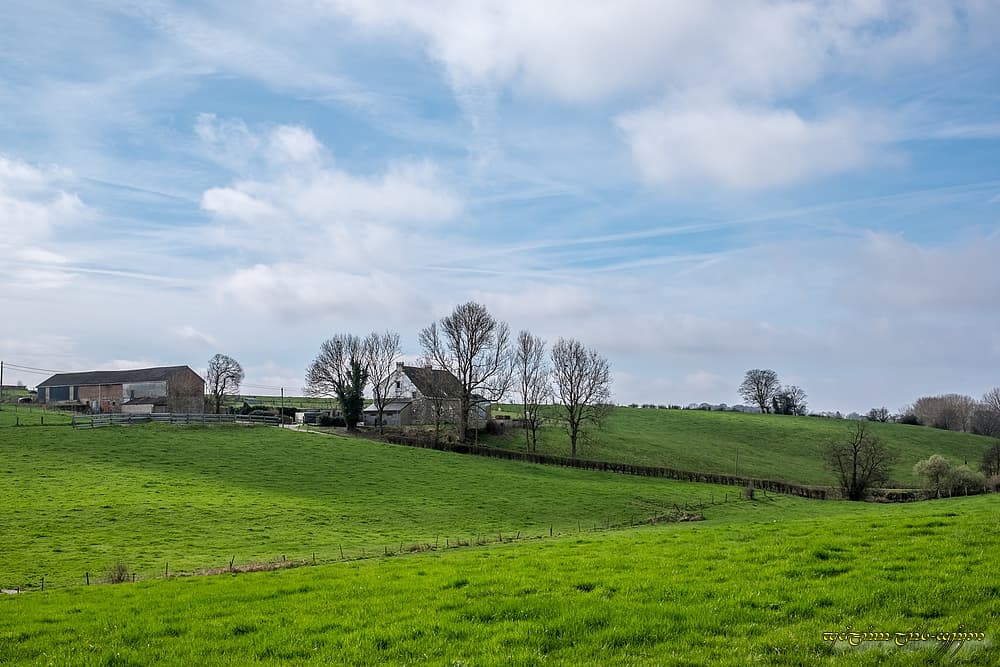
x=137, y=391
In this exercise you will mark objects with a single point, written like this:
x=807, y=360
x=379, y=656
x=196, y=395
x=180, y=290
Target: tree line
x=761, y=388
x=488, y=363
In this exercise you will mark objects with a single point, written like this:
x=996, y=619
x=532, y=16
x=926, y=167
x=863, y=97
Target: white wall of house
x=401, y=386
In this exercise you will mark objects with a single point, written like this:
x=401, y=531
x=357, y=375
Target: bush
x=994, y=483
x=494, y=427
x=965, y=481
x=326, y=420
x=118, y=574
x=937, y=474
x=910, y=419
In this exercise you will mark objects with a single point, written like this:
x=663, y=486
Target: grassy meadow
x=770, y=446
x=187, y=498
x=747, y=589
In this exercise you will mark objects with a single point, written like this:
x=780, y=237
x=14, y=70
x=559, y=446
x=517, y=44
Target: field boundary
x=801, y=490
x=98, y=421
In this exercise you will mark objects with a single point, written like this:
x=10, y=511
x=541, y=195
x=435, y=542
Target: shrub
x=994, y=483
x=910, y=419
x=965, y=481
x=118, y=574
x=326, y=420
x=937, y=473
x=494, y=427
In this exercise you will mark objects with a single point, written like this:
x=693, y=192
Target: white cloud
x=893, y=273
x=583, y=51
x=302, y=190
x=296, y=290
x=189, y=333
x=291, y=143
x=33, y=202
x=755, y=59
x=745, y=148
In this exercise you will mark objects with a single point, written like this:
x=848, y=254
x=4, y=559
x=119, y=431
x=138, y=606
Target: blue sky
x=693, y=189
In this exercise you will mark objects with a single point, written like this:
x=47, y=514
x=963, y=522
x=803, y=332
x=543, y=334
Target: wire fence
x=121, y=571
x=813, y=492
x=98, y=421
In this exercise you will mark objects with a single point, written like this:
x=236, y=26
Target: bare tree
x=986, y=421
x=953, y=412
x=759, y=387
x=339, y=370
x=224, y=376
x=992, y=399
x=860, y=463
x=582, y=386
x=532, y=373
x=381, y=351
x=790, y=400
x=475, y=347
x=991, y=460
x=986, y=417
x=438, y=405
x=878, y=415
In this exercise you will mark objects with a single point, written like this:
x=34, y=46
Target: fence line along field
x=767, y=446
x=766, y=589
x=185, y=498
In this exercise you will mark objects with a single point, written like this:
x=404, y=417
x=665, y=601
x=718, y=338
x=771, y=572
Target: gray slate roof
x=86, y=378
x=433, y=382
x=393, y=406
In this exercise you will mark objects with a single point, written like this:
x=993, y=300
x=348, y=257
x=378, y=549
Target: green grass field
x=30, y=415
x=757, y=582
x=75, y=501
x=757, y=589
x=770, y=446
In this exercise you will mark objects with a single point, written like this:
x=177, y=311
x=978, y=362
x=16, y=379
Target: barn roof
x=85, y=378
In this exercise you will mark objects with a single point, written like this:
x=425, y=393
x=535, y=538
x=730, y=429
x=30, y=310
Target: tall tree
x=475, y=347
x=991, y=460
x=339, y=370
x=381, y=352
x=790, y=400
x=878, y=415
x=759, y=387
x=860, y=462
x=986, y=417
x=436, y=399
x=953, y=412
x=224, y=376
x=582, y=386
x=532, y=375
x=992, y=399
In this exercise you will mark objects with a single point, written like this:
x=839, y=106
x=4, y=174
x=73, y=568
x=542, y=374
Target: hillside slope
x=186, y=498
x=769, y=446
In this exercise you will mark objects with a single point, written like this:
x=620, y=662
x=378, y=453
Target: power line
x=43, y=371
x=31, y=368
x=260, y=386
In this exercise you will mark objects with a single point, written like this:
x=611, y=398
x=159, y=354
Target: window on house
x=397, y=384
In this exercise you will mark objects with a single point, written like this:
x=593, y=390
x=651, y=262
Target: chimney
x=399, y=365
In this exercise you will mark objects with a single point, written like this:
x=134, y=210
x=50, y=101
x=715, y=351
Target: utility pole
x=737, y=462
x=1, y=385
x=281, y=417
